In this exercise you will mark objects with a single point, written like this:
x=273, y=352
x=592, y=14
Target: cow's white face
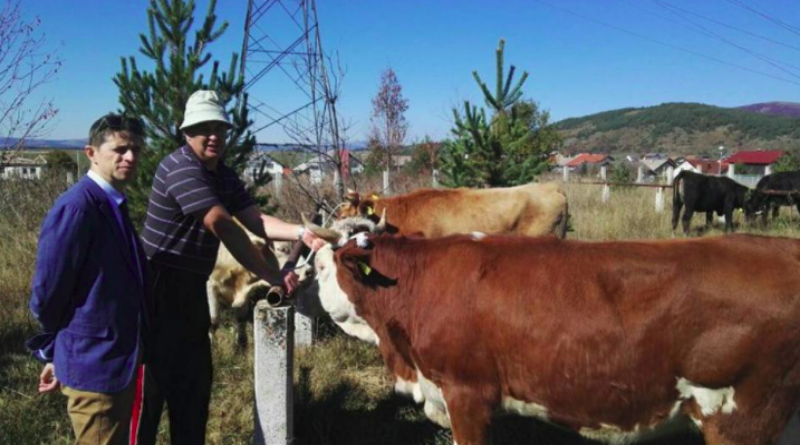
x=335, y=302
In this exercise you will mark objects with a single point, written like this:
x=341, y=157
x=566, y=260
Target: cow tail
x=677, y=200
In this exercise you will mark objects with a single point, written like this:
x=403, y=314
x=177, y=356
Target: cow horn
x=328, y=235
x=381, y=226
x=351, y=196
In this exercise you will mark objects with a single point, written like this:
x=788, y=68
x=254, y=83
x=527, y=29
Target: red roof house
x=588, y=158
x=760, y=157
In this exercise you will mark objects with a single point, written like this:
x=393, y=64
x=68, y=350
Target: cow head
x=326, y=293
x=754, y=204
x=355, y=205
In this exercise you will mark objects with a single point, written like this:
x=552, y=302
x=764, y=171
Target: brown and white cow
x=532, y=210
x=232, y=286
x=618, y=341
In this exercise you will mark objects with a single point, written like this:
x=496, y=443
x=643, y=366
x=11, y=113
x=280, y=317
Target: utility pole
x=291, y=92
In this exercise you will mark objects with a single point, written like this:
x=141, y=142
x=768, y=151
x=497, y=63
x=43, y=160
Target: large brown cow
x=532, y=210
x=618, y=341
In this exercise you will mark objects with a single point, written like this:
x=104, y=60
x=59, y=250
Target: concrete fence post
x=274, y=355
x=435, y=178
x=278, y=181
x=565, y=174
x=640, y=175
x=304, y=329
x=659, y=199
x=604, y=173
x=606, y=194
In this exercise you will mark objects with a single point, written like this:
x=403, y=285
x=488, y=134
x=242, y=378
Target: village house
x=754, y=163
x=20, y=167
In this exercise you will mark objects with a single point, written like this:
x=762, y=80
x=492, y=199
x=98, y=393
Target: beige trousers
x=100, y=419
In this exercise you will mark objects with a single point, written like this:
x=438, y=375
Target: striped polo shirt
x=182, y=186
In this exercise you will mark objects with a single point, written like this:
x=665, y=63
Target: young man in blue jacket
x=89, y=289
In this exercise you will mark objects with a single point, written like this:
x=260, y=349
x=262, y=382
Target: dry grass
x=343, y=395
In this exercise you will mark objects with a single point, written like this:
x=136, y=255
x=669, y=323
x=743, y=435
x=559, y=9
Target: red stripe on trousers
x=138, y=399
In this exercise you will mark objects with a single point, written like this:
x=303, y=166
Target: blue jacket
x=87, y=294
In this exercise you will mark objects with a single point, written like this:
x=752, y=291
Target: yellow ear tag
x=370, y=211
x=375, y=197
x=366, y=270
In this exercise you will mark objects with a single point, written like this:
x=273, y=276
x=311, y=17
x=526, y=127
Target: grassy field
x=343, y=395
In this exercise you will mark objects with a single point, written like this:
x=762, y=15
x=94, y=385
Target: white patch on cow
x=710, y=400
x=411, y=389
x=522, y=408
x=477, y=236
x=435, y=405
x=335, y=301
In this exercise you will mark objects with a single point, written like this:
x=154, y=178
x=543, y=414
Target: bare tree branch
x=24, y=67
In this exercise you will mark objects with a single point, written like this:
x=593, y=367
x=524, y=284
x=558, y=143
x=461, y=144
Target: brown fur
x=532, y=210
x=598, y=333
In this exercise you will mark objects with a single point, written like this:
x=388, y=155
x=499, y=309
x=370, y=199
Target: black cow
x=701, y=193
x=762, y=202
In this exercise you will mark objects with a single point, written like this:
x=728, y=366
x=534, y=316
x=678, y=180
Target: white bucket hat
x=204, y=106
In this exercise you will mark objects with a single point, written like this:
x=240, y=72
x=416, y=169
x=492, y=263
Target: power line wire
x=774, y=62
x=660, y=42
x=735, y=28
x=772, y=19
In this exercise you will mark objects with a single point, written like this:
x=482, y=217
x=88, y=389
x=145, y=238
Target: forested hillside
x=678, y=128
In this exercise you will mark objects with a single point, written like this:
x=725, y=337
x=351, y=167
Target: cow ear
x=358, y=263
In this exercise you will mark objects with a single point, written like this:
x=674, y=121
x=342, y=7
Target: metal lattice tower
x=291, y=96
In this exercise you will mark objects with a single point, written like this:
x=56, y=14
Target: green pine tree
x=510, y=148
x=159, y=96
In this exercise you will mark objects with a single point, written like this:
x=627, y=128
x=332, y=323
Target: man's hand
x=313, y=241
x=47, y=379
x=290, y=280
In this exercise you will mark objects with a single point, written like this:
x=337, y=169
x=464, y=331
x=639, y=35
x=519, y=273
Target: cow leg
x=776, y=210
x=687, y=220
x=470, y=415
x=729, y=219
x=709, y=220
x=213, y=309
x=241, y=314
x=676, y=213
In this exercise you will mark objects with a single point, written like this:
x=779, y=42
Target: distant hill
x=788, y=109
x=678, y=128
x=32, y=144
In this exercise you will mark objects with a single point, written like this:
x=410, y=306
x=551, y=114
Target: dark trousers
x=179, y=371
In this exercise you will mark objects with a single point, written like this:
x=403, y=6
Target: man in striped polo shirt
x=194, y=199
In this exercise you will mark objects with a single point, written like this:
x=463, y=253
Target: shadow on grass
x=341, y=416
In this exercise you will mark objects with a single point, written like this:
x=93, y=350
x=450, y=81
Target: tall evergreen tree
x=179, y=69
x=509, y=148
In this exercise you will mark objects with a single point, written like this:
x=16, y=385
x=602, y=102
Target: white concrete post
x=386, y=186
x=337, y=178
x=565, y=174
x=670, y=174
x=731, y=171
x=768, y=170
x=278, y=181
x=640, y=175
x=606, y=194
x=604, y=173
x=303, y=330
x=435, y=178
x=274, y=350
x=70, y=179
x=659, y=199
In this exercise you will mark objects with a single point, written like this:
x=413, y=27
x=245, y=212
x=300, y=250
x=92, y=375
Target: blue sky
x=583, y=56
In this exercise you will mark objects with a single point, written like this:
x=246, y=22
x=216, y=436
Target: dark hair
x=111, y=123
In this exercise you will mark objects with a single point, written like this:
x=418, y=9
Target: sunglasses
x=117, y=123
